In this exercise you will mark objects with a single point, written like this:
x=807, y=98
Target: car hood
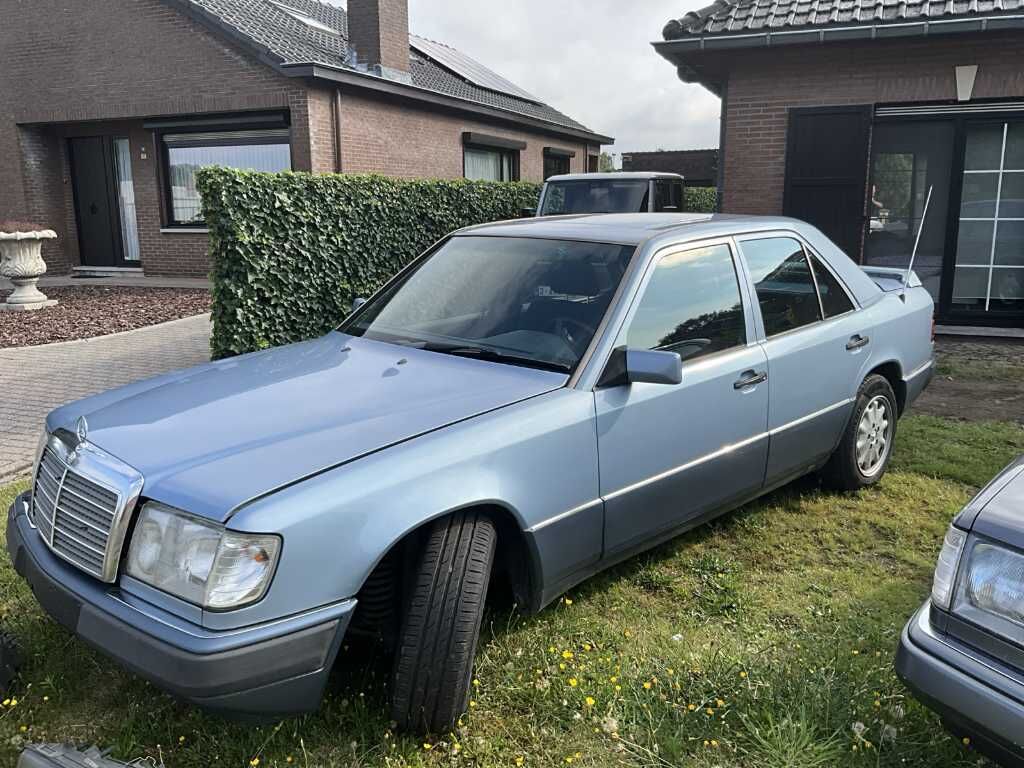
x=1002, y=515
x=210, y=438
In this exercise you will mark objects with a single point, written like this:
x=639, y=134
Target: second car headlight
x=200, y=561
x=994, y=582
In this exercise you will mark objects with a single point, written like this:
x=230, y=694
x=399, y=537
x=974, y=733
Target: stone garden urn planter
x=21, y=261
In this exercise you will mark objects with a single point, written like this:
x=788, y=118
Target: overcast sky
x=590, y=59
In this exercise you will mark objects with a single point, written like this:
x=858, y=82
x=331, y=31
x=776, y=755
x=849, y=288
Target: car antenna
x=913, y=253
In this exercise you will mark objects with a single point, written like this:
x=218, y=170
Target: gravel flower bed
x=88, y=311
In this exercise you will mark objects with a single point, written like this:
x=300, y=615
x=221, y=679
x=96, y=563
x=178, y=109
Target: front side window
x=785, y=287
x=265, y=150
x=521, y=301
x=668, y=195
x=691, y=305
x=596, y=196
x=834, y=299
x=486, y=164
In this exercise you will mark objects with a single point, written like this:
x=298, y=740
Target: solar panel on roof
x=465, y=67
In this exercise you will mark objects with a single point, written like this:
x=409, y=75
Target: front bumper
x=266, y=670
x=971, y=694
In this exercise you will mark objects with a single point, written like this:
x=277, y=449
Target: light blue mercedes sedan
x=527, y=403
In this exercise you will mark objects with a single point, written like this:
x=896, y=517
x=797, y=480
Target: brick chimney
x=378, y=33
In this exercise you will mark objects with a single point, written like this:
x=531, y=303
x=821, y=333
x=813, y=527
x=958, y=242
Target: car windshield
x=596, y=196
x=521, y=301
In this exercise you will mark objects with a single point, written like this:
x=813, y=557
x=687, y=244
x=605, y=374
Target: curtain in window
x=484, y=165
x=244, y=150
x=126, y=199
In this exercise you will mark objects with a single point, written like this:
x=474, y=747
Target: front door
x=826, y=175
x=104, y=201
x=669, y=454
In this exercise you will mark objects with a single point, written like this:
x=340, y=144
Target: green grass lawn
x=765, y=639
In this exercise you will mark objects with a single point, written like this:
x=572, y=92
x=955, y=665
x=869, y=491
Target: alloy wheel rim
x=874, y=436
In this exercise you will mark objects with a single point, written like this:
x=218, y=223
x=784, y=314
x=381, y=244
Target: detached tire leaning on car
x=441, y=625
x=866, y=445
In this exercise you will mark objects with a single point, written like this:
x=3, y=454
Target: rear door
x=815, y=347
x=826, y=171
x=671, y=453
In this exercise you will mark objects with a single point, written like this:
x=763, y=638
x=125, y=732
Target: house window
x=262, y=150
x=557, y=161
x=491, y=164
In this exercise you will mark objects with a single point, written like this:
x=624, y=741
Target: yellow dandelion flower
x=743, y=674
x=618, y=688
x=691, y=707
x=181, y=739
x=472, y=703
x=719, y=702
x=476, y=683
x=613, y=679
x=567, y=654
x=520, y=760
x=856, y=652
x=568, y=601
x=714, y=744
x=578, y=755
x=551, y=649
x=647, y=685
x=568, y=759
x=289, y=759
x=966, y=741
x=586, y=646
x=710, y=711
x=14, y=702
x=590, y=701
x=878, y=703
x=427, y=746
x=46, y=698
x=561, y=665
x=627, y=632
x=23, y=728
x=573, y=682
x=6, y=702
x=456, y=747
x=254, y=762
x=670, y=671
x=707, y=743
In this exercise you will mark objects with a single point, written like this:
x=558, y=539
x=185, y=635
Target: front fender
x=537, y=459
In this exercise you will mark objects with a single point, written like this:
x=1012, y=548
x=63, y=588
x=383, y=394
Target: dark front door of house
x=826, y=171
x=92, y=176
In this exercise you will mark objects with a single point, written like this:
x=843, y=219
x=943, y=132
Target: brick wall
x=378, y=30
x=400, y=140
x=763, y=85
x=108, y=59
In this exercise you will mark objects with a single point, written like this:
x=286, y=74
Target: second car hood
x=1002, y=516
x=210, y=438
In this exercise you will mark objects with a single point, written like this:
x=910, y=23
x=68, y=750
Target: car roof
x=632, y=228
x=617, y=176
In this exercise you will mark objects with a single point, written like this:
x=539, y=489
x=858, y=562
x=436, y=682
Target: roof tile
x=271, y=25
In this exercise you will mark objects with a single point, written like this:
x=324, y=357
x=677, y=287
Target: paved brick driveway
x=34, y=380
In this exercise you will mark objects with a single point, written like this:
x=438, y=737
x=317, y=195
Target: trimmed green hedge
x=291, y=250
x=702, y=199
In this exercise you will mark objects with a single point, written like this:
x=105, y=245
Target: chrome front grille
x=76, y=508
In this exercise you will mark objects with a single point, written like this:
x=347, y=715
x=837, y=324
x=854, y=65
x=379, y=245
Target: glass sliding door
x=988, y=272
x=906, y=159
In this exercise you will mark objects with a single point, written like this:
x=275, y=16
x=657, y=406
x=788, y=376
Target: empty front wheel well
x=892, y=372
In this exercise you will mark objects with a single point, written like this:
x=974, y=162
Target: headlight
x=200, y=561
x=945, y=569
x=994, y=584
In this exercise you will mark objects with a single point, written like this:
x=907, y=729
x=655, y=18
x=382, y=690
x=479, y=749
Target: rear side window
x=691, y=305
x=785, y=287
x=834, y=299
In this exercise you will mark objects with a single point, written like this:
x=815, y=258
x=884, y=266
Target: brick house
x=698, y=166
x=845, y=113
x=109, y=106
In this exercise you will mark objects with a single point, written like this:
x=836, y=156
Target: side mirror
x=527, y=213
x=633, y=366
x=357, y=303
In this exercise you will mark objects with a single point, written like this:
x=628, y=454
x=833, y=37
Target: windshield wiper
x=497, y=356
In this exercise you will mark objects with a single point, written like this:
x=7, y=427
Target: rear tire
x=441, y=625
x=865, y=449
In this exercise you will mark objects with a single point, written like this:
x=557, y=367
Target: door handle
x=750, y=378
x=857, y=342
